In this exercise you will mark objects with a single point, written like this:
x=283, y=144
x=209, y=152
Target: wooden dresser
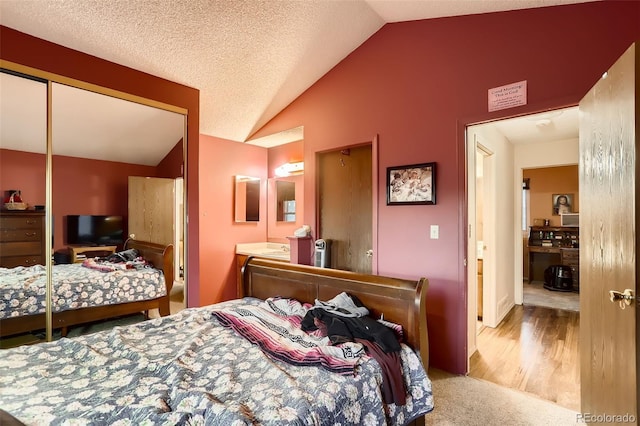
x=22, y=238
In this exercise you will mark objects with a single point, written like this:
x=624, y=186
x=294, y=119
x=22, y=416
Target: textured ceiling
x=248, y=58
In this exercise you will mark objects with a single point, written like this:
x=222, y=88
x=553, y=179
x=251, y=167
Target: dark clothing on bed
x=379, y=340
x=334, y=319
x=345, y=329
x=393, y=389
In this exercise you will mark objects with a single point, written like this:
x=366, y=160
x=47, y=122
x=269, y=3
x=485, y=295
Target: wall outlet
x=435, y=232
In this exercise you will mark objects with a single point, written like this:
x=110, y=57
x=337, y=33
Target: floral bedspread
x=188, y=369
x=22, y=289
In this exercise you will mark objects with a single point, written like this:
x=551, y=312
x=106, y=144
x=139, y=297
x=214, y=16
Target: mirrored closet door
x=23, y=154
x=98, y=140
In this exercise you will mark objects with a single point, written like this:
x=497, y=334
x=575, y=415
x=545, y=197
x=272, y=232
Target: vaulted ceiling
x=248, y=58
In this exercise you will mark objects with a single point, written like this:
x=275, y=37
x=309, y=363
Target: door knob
x=369, y=253
x=624, y=299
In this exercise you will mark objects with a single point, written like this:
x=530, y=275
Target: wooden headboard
x=159, y=255
x=400, y=301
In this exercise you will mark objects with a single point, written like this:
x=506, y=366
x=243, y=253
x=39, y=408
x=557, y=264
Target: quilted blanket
x=188, y=369
x=279, y=334
x=22, y=289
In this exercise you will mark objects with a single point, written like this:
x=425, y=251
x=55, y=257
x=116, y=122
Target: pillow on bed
x=123, y=256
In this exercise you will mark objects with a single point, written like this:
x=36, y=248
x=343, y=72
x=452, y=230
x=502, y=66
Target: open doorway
x=540, y=140
x=549, y=242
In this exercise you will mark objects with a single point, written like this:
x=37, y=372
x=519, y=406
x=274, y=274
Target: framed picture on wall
x=562, y=203
x=411, y=184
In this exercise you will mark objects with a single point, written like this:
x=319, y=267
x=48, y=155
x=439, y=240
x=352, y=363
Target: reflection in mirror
x=99, y=141
x=286, y=199
x=247, y=199
x=277, y=229
x=122, y=160
x=285, y=170
x=23, y=146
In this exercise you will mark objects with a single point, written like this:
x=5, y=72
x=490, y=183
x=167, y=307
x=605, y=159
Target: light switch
x=435, y=232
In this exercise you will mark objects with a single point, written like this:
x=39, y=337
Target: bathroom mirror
x=278, y=191
x=247, y=199
x=285, y=201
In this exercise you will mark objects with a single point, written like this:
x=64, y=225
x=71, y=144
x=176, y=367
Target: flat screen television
x=95, y=230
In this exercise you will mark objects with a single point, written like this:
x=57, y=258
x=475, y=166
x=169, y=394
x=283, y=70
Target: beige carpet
x=460, y=400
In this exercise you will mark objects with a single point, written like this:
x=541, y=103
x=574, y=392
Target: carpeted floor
x=75, y=331
x=460, y=400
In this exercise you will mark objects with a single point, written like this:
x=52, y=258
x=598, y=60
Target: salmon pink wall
x=83, y=186
x=42, y=55
x=547, y=181
x=172, y=164
x=417, y=85
x=220, y=161
x=80, y=186
x=25, y=171
x=288, y=153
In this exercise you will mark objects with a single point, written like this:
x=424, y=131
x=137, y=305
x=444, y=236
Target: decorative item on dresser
x=21, y=238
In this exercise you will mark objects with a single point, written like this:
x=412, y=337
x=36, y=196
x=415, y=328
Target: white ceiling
x=248, y=58
x=85, y=124
x=561, y=124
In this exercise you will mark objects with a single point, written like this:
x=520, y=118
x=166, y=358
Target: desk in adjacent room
x=553, y=246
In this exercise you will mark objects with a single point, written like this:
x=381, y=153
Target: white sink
x=269, y=250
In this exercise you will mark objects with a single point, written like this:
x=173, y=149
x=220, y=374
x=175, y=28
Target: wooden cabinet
x=553, y=246
x=152, y=213
x=22, y=238
x=571, y=257
x=156, y=214
x=78, y=254
x=559, y=236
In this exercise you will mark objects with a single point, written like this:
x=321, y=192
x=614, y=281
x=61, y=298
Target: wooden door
x=152, y=209
x=345, y=207
x=609, y=243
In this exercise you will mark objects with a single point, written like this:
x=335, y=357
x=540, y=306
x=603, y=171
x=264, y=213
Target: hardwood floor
x=535, y=350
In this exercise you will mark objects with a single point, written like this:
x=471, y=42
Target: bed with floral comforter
x=22, y=289
x=189, y=368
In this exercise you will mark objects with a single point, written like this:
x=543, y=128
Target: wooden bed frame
x=400, y=301
x=155, y=253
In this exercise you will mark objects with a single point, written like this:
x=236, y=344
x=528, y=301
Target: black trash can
x=61, y=257
x=558, y=278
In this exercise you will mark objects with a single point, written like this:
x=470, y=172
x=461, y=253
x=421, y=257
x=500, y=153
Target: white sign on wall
x=508, y=96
